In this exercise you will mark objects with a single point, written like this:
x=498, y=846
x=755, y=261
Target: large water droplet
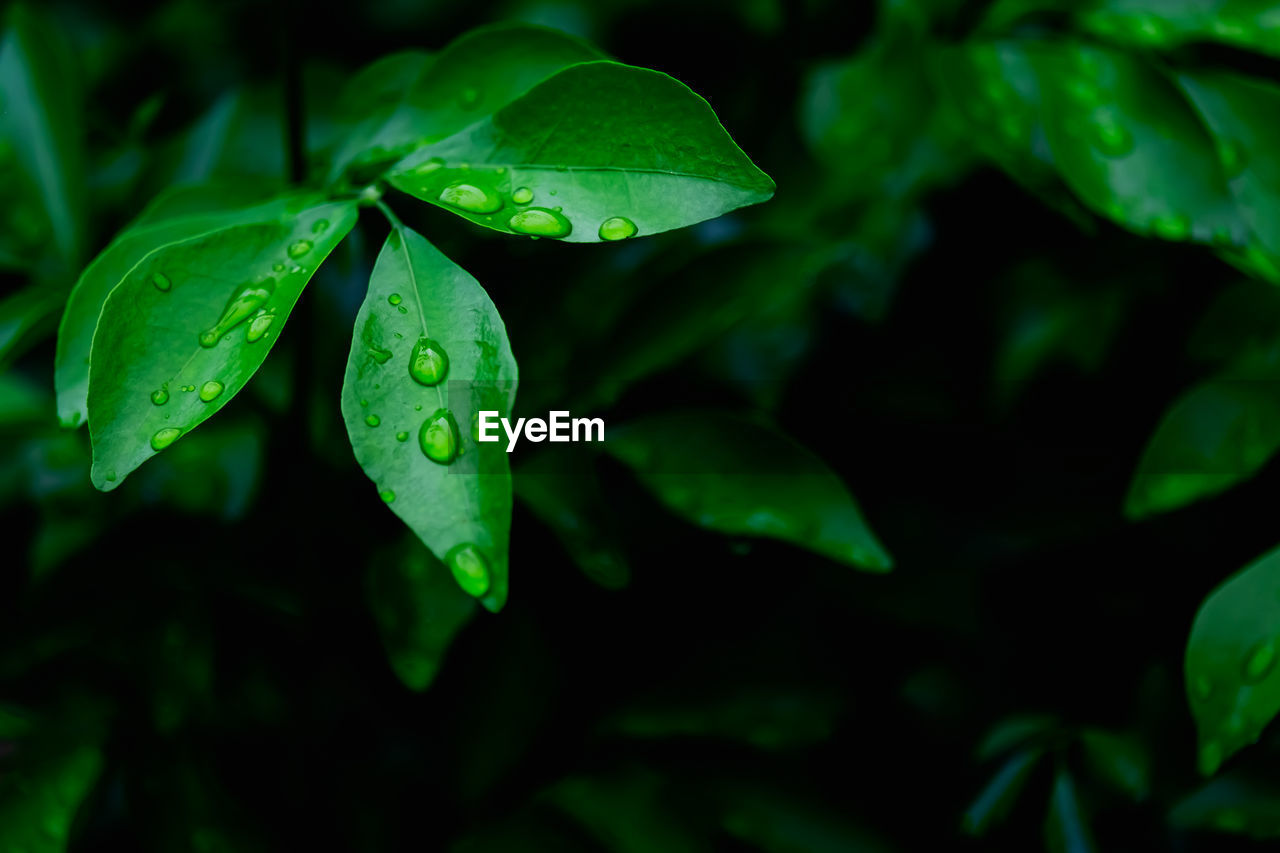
x=617, y=228
x=160, y=397
x=111, y=476
x=522, y=195
x=210, y=390
x=470, y=568
x=161, y=282
x=1259, y=662
x=387, y=495
x=372, y=420
x=246, y=300
x=540, y=222
x=394, y=299
x=471, y=198
x=164, y=437
x=300, y=248
x=429, y=362
x=258, y=327
x=438, y=437
x=428, y=166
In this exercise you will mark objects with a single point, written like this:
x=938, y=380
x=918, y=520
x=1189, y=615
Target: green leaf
x=564, y=493
x=409, y=99
x=1248, y=24
x=1131, y=148
x=998, y=797
x=1232, y=803
x=629, y=812
x=192, y=321
x=1218, y=433
x=461, y=509
x=1237, y=110
x=767, y=718
x=597, y=143
x=27, y=316
x=736, y=476
x=418, y=609
x=41, y=116
x=1066, y=829
x=1233, y=685
x=177, y=215
x=1119, y=760
x=1015, y=731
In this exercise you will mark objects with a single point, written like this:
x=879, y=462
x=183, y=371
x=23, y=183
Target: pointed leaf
x=199, y=315
x=416, y=294
x=597, y=143
x=1066, y=829
x=410, y=99
x=1233, y=684
x=26, y=317
x=736, y=476
x=998, y=797
x=1119, y=760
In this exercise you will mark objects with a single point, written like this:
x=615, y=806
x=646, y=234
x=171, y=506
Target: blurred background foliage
x=1016, y=290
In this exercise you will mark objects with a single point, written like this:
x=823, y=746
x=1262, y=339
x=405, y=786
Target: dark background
x=249, y=699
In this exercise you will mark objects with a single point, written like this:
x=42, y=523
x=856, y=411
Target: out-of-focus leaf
x=15, y=722
x=1015, y=731
x=215, y=472
x=41, y=116
x=736, y=476
x=1218, y=433
x=418, y=609
x=768, y=719
x=173, y=328
x=563, y=491
x=411, y=99
x=1242, y=322
x=777, y=821
x=1119, y=760
x=998, y=797
x=428, y=353
x=602, y=152
x=27, y=316
x=181, y=667
x=628, y=812
x=22, y=401
x=1232, y=803
x=1066, y=828
x=1232, y=682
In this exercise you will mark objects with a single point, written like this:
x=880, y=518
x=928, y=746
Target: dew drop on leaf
x=402, y=436
x=1259, y=662
x=438, y=437
x=278, y=267
x=470, y=568
x=402, y=309
x=300, y=248
x=319, y=226
x=161, y=282
x=387, y=495
x=372, y=420
x=522, y=195
x=160, y=397
x=258, y=326
x=247, y=299
x=210, y=390
x=164, y=437
x=540, y=222
x=429, y=166
x=111, y=476
x=471, y=198
x=394, y=299
x=429, y=362
x=381, y=356
x=617, y=228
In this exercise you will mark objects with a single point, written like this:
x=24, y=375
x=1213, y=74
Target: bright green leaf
x=418, y=609
x=1066, y=828
x=409, y=99
x=1233, y=684
x=190, y=323
x=740, y=477
x=41, y=116
x=998, y=797
x=604, y=151
x=424, y=311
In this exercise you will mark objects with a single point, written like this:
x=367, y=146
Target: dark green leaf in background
x=996, y=800
x=1231, y=803
x=1066, y=828
x=429, y=352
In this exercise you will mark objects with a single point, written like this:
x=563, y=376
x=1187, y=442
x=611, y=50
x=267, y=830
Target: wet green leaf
x=418, y=609
x=190, y=323
x=998, y=797
x=409, y=99
x=1066, y=829
x=1232, y=683
x=740, y=477
x=598, y=152
x=428, y=353
x=41, y=116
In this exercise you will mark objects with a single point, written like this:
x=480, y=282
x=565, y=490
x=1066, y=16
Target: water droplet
x=381, y=356
x=111, y=476
x=278, y=267
x=522, y=195
x=402, y=436
x=1259, y=662
x=428, y=166
x=319, y=226
x=164, y=437
x=372, y=420
x=429, y=362
x=617, y=228
x=438, y=437
x=247, y=299
x=468, y=98
x=210, y=390
x=162, y=282
x=540, y=222
x=299, y=248
x=402, y=309
x=471, y=198
x=387, y=495
x=418, y=408
x=160, y=397
x=470, y=568
x=394, y=299
x=1233, y=157
x=188, y=387
x=258, y=327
